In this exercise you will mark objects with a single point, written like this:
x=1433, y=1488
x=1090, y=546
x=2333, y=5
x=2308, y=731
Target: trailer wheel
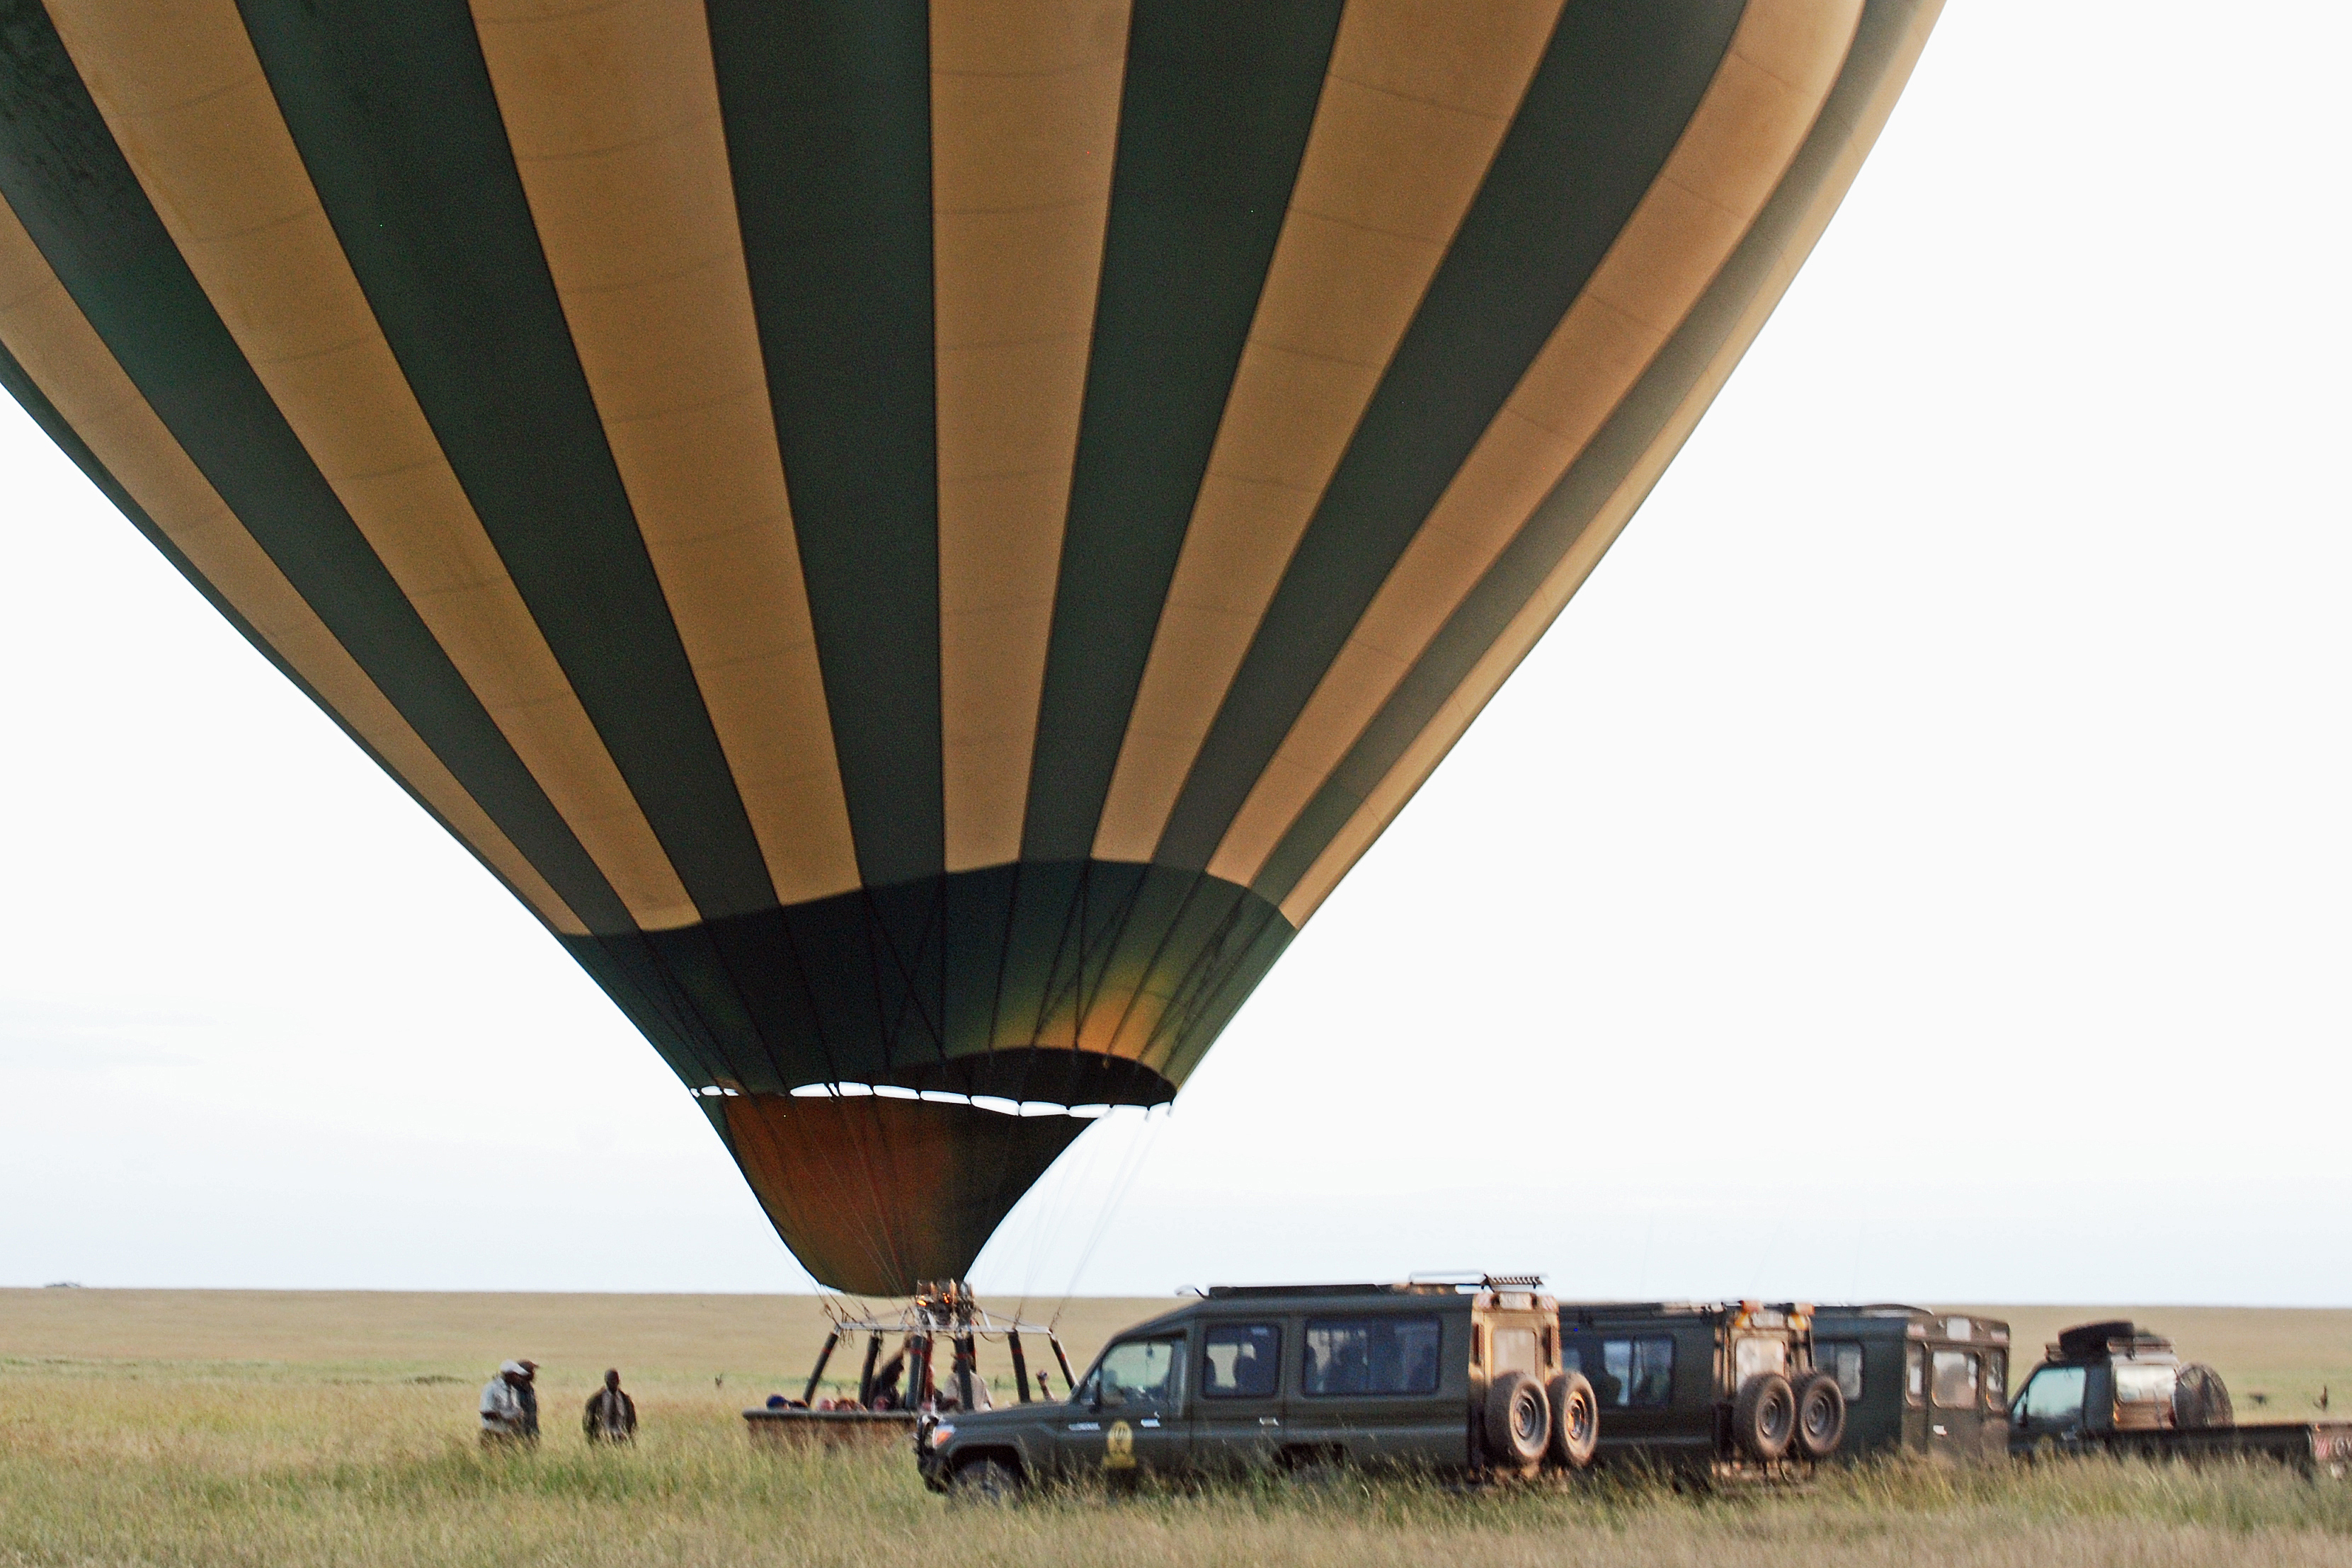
x=1764, y=1417
x=1821, y=1414
x=1575, y=1420
x=1518, y=1421
x=983, y=1480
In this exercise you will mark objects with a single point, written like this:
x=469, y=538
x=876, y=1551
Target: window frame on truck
x=1615, y=1389
x=1834, y=1355
x=1914, y=1373
x=1211, y=1338
x=1952, y=1355
x=1367, y=1324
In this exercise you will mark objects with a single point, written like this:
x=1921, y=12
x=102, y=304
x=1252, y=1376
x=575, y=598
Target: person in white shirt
x=507, y=1407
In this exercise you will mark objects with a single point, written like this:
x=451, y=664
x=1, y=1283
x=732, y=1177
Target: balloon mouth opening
x=996, y=1104
x=1005, y=1080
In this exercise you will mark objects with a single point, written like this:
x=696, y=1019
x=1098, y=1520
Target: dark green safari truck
x=1917, y=1381
x=1459, y=1378
x=1726, y=1390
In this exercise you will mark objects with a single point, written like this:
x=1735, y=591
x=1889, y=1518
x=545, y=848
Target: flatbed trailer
x=2317, y=1449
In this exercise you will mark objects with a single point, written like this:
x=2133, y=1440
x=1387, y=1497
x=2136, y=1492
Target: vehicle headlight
x=940, y=1434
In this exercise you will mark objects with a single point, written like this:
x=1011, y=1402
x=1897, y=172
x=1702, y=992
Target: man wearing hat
x=511, y=1405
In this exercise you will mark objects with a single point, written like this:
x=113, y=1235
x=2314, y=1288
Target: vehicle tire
x=2200, y=1400
x=983, y=1480
x=1764, y=1417
x=1518, y=1421
x=1575, y=1420
x=1821, y=1414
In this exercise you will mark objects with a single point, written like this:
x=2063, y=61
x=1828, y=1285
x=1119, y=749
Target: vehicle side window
x=1956, y=1380
x=1371, y=1356
x=2052, y=1397
x=1914, y=1373
x=1241, y=1361
x=1140, y=1374
x=1637, y=1373
x=1842, y=1359
x=2144, y=1385
x=1996, y=1382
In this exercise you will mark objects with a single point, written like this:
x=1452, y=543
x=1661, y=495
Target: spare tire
x=1764, y=1417
x=1518, y=1421
x=1575, y=1420
x=2199, y=1399
x=1821, y=1414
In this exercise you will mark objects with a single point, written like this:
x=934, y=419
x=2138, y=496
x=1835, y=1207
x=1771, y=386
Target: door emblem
x=1119, y=1448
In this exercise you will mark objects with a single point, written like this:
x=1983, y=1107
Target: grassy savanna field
x=265, y=1428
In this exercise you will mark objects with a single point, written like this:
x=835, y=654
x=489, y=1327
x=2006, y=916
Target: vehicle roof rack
x=1476, y=1280
x=2119, y=1336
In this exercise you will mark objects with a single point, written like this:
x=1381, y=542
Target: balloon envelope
x=921, y=542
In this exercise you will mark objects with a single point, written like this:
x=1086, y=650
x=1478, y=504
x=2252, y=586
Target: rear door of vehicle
x=1955, y=1401
x=1237, y=1411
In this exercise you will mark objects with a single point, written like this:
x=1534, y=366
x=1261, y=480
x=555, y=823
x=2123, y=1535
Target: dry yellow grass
x=206, y=1428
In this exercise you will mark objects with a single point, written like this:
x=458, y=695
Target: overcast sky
x=1916, y=866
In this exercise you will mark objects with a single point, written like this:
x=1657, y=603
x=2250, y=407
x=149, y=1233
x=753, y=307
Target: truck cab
x=1456, y=1377
x=1731, y=1389
x=2106, y=1378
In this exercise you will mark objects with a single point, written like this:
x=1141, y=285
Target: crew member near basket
x=612, y=1415
x=511, y=1405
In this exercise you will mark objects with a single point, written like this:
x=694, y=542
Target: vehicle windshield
x=2053, y=1397
x=1136, y=1373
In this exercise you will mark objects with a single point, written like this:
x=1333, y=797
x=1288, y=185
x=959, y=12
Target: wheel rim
x=1580, y=1421
x=1817, y=1420
x=1775, y=1419
x=1526, y=1420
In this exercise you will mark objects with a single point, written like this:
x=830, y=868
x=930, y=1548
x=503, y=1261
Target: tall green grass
x=261, y=1466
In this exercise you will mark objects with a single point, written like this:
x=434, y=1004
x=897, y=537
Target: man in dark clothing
x=527, y=1396
x=612, y=1415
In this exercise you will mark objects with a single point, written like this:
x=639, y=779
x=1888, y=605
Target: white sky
x=1916, y=866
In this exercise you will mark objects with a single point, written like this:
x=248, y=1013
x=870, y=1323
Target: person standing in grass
x=612, y=1415
x=510, y=1406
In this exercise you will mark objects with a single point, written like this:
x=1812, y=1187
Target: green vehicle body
x=1666, y=1376
x=1273, y=1378
x=1918, y=1380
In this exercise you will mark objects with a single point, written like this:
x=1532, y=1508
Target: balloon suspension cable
x=1138, y=1155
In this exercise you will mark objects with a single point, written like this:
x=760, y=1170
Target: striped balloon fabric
x=921, y=540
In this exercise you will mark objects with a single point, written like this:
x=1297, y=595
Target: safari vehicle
x=2115, y=1386
x=1917, y=1381
x=1729, y=1389
x=1454, y=1376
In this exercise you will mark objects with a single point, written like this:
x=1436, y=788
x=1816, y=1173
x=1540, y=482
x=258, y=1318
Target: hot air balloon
x=921, y=542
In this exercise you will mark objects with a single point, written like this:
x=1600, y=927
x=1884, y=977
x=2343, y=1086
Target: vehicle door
x=2050, y=1407
x=1237, y=1416
x=1993, y=1444
x=1955, y=1403
x=1650, y=1397
x=1129, y=1415
x=1373, y=1388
